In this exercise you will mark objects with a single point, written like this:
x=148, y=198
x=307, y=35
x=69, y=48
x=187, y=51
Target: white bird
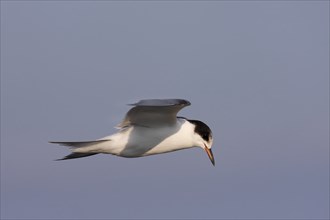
x=150, y=127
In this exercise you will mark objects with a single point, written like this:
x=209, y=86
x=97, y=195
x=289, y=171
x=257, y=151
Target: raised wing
x=153, y=112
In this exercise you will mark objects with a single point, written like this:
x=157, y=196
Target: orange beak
x=210, y=154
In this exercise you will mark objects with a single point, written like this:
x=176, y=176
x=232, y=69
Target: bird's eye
x=205, y=136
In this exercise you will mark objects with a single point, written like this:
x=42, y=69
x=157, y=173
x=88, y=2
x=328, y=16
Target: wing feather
x=153, y=112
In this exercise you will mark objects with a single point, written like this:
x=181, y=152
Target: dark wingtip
x=65, y=158
x=76, y=155
x=59, y=159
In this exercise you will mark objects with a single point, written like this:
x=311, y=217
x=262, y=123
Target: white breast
x=142, y=141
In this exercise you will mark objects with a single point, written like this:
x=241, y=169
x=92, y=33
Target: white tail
x=75, y=145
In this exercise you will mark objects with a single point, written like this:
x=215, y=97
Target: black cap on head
x=205, y=132
x=202, y=129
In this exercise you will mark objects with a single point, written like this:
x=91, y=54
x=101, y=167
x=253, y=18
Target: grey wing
x=153, y=112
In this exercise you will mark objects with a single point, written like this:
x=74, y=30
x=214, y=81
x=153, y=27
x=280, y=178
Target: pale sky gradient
x=256, y=72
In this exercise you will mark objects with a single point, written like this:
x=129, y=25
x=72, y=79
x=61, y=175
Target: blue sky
x=256, y=72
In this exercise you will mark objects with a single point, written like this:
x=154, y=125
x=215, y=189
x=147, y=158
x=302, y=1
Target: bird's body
x=151, y=127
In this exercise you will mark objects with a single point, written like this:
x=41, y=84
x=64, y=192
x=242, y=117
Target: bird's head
x=203, y=137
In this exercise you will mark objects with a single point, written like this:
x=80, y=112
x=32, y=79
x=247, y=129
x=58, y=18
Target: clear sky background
x=256, y=72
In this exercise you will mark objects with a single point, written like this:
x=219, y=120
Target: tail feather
x=76, y=155
x=81, y=147
x=77, y=144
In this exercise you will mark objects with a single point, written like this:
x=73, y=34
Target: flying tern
x=150, y=127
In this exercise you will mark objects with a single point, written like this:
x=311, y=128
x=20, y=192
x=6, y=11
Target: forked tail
x=76, y=145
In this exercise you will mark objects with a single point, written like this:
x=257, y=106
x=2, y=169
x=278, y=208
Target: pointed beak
x=210, y=154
